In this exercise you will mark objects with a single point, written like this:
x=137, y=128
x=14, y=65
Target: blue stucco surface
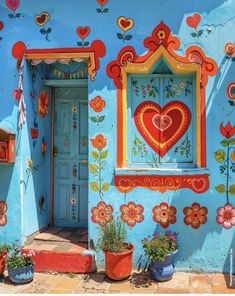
x=206, y=248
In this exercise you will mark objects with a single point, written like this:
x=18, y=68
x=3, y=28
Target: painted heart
x=13, y=4
x=125, y=24
x=83, y=32
x=163, y=127
x=42, y=18
x=1, y=25
x=162, y=122
x=102, y=2
x=194, y=21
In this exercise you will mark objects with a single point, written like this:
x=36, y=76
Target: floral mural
x=132, y=214
x=102, y=214
x=193, y=22
x=3, y=210
x=13, y=5
x=41, y=21
x=125, y=24
x=196, y=215
x=164, y=214
x=43, y=103
x=97, y=104
x=83, y=33
x=102, y=4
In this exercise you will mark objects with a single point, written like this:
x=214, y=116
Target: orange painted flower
x=164, y=214
x=43, y=103
x=3, y=210
x=98, y=104
x=161, y=34
x=99, y=141
x=195, y=216
x=132, y=214
x=102, y=214
x=227, y=131
x=226, y=216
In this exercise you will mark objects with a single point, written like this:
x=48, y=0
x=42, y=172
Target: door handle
x=55, y=151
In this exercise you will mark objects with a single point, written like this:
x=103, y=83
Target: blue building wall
x=206, y=248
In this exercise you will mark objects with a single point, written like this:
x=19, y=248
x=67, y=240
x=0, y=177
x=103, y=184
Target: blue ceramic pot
x=21, y=275
x=162, y=271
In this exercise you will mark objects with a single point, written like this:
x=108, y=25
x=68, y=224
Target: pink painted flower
x=226, y=216
x=132, y=213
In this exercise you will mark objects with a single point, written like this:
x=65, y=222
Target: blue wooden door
x=70, y=157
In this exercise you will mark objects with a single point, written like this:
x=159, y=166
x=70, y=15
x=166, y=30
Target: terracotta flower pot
x=2, y=264
x=119, y=265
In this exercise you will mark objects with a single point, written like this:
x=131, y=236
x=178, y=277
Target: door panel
x=70, y=161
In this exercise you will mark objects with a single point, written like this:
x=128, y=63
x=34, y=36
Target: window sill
x=162, y=180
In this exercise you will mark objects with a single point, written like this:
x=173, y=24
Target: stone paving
x=138, y=283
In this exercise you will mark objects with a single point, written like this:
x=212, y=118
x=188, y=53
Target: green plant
x=160, y=245
x=4, y=249
x=18, y=259
x=112, y=237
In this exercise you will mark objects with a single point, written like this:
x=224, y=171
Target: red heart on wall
x=83, y=32
x=13, y=4
x=173, y=120
x=102, y=2
x=1, y=25
x=194, y=21
x=125, y=24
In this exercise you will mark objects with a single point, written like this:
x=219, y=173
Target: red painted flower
x=164, y=214
x=99, y=141
x=228, y=131
x=43, y=104
x=34, y=133
x=195, y=216
x=98, y=104
x=17, y=94
x=44, y=146
x=132, y=213
x=226, y=216
x=3, y=210
x=102, y=214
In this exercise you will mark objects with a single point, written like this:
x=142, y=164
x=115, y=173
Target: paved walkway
x=139, y=283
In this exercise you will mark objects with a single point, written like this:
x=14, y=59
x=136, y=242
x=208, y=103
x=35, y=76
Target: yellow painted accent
x=146, y=68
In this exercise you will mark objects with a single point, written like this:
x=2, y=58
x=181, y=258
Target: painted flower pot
x=2, y=264
x=21, y=275
x=162, y=271
x=119, y=265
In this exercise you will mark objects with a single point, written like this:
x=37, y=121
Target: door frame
x=56, y=84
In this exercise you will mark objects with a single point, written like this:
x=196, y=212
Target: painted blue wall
x=206, y=248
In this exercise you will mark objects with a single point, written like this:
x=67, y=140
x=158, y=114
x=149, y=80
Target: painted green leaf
x=232, y=141
x=93, y=168
x=94, y=186
x=49, y=30
x=200, y=32
x=220, y=188
x=105, y=10
x=101, y=118
x=232, y=103
x=194, y=34
x=128, y=37
x=79, y=43
x=98, y=10
x=104, y=154
x=18, y=14
x=232, y=189
x=105, y=187
x=224, y=143
x=93, y=118
x=86, y=43
x=95, y=154
x=120, y=36
x=11, y=15
x=220, y=155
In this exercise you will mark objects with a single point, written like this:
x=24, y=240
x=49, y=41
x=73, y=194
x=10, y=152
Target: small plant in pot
x=4, y=249
x=20, y=265
x=160, y=249
x=118, y=253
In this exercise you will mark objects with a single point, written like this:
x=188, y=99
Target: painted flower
x=17, y=94
x=34, y=133
x=99, y=141
x=227, y=131
x=74, y=109
x=44, y=146
x=102, y=214
x=175, y=86
x=98, y=104
x=3, y=210
x=195, y=216
x=43, y=103
x=178, y=92
x=182, y=85
x=164, y=214
x=132, y=214
x=73, y=200
x=226, y=216
x=30, y=163
x=161, y=34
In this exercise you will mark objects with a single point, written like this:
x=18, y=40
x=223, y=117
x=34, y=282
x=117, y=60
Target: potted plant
x=4, y=249
x=118, y=253
x=20, y=265
x=160, y=249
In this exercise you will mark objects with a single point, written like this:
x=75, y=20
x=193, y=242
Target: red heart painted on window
x=102, y=2
x=173, y=120
x=13, y=4
x=83, y=32
x=194, y=21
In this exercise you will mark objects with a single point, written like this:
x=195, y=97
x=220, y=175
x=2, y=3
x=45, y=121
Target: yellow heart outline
x=46, y=19
x=125, y=29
